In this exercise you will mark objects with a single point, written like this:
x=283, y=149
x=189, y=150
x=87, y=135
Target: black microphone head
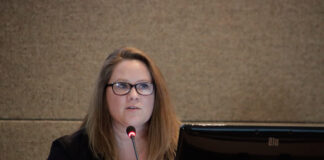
x=131, y=132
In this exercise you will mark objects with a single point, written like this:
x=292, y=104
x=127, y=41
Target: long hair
x=163, y=125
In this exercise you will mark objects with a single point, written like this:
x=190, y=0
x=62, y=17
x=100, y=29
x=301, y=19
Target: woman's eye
x=122, y=85
x=143, y=85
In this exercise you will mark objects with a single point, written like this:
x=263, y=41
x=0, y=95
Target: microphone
x=131, y=132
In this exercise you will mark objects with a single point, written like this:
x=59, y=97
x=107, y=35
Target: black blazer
x=72, y=147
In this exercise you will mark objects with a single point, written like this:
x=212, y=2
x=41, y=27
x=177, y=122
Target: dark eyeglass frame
x=131, y=86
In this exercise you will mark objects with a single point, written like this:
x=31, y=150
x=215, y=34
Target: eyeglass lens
x=123, y=88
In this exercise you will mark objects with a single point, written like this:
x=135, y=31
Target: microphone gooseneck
x=131, y=132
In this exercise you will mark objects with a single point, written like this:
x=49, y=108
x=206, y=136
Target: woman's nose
x=133, y=94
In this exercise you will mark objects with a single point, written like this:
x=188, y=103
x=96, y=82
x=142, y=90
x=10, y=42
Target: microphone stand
x=133, y=140
x=131, y=132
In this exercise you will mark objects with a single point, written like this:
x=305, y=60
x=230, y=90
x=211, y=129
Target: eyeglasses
x=123, y=88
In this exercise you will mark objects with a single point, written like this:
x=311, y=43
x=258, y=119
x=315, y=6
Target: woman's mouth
x=132, y=107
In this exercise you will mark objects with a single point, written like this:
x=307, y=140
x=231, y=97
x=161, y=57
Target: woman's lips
x=132, y=107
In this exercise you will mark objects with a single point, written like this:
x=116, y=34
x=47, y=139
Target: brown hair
x=162, y=127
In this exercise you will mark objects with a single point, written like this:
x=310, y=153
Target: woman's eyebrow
x=119, y=80
x=138, y=81
x=143, y=80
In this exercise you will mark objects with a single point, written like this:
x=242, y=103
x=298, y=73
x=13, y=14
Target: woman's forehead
x=130, y=71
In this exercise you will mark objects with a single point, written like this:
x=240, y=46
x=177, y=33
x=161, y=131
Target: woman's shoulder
x=74, y=140
x=70, y=147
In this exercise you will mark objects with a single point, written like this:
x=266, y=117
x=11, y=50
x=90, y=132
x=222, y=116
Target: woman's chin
x=136, y=123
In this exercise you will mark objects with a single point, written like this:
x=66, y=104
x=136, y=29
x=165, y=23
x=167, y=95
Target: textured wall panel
x=223, y=60
x=31, y=139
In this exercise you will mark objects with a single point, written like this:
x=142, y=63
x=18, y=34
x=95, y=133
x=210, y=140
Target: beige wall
x=241, y=61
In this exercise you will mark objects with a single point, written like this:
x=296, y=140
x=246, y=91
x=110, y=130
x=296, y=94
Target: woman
x=130, y=90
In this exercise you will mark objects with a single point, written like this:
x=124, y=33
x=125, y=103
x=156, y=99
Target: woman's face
x=132, y=108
